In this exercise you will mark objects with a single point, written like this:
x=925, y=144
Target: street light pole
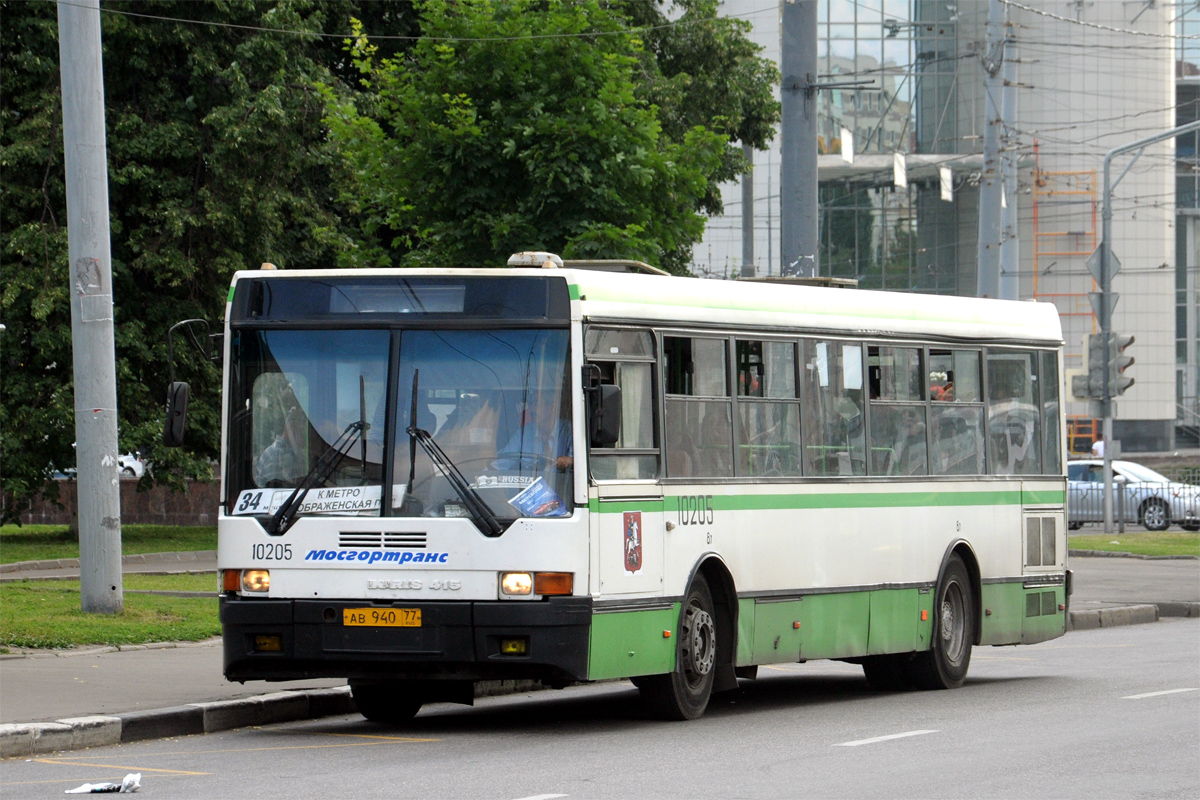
x=90, y=275
x=1107, y=299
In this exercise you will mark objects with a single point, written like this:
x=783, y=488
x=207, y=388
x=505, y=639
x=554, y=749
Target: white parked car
x=131, y=465
x=1140, y=494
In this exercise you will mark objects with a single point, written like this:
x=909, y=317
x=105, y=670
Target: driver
x=285, y=460
x=532, y=442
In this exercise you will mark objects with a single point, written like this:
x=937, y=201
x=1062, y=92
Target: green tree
x=520, y=125
x=218, y=161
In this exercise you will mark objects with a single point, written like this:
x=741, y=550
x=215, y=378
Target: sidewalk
x=172, y=689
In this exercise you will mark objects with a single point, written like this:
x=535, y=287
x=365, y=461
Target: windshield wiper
x=481, y=512
x=329, y=461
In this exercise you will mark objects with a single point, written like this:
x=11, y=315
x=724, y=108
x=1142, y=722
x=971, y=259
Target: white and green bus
x=583, y=472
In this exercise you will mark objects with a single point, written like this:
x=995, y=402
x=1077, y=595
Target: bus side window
x=635, y=454
x=898, y=435
x=956, y=413
x=1014, y=416
x=699, y=433
x=1050, y=410
x=832, y=418
x=768, y=411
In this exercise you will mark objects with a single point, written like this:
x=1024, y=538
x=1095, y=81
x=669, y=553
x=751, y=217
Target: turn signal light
x=256, y=580
x=553, y=582
x=268, y=644
x=231, y=580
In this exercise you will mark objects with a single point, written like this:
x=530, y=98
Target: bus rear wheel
x=684, y=693
x=944, y=665
x=390, y=703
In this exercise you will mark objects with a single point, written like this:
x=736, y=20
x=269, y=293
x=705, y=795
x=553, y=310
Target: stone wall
x=156, y=506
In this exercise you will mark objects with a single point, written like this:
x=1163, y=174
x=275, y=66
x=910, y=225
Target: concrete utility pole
x=1010, y=236
x=991, y=183
x=748, y=213
x=799, y=235
x=90, y=275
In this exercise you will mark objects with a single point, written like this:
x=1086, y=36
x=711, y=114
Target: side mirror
x=177, y=402
x=604, y=423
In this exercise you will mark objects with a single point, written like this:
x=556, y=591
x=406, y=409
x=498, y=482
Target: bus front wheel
x=684, y=693
x=386, y=702
x=944, y=665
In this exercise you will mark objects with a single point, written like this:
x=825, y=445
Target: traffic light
x=1118, y=363
x=1091, y=384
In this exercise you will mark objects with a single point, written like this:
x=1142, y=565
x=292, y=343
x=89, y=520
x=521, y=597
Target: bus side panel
x=1043, y=620
x=777, y=636
x=1021, y=616
x=894, y=621
x=745, y=641
x=629, y=643
x=835, y=625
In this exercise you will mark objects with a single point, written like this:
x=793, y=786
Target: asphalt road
x=1101, y=713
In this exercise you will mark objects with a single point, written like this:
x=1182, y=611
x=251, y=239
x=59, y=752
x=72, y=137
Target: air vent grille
x=1040, y=541
x=412, y=541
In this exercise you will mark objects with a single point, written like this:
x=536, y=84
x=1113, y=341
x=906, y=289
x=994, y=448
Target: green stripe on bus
x=1042, y=498
x=229, y=298
x=772, y=502
x=573, y=291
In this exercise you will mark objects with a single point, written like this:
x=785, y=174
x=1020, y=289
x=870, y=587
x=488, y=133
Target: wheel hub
x=699, y=641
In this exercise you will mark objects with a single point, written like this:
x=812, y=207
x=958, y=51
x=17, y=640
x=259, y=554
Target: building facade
x=1090, y=76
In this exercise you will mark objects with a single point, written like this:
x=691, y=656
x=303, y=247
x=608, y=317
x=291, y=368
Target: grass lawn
x=1145, y=543
x=39, y=542
x=47, y=613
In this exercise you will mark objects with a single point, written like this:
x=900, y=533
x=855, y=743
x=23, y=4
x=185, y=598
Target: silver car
x=1140, y=494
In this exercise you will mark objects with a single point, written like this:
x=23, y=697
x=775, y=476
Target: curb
x=1121, y=554
x=75, y=733
x=24, y=739
x=180, y=557
x=1130, y=615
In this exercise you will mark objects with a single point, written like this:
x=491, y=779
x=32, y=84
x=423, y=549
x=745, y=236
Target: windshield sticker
x=337, y=500
x=490, y=481
x=539, y=500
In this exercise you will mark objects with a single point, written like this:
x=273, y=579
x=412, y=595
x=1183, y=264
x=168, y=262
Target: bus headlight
x=516, y=583
x=256, y=580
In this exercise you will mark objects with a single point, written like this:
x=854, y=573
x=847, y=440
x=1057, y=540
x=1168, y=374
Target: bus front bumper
x=290, y=639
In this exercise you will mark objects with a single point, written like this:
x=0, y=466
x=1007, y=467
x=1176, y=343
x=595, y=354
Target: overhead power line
x=1097, y=25
x=384, y=37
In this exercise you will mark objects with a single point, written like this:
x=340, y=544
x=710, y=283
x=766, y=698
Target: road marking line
x=875, y=739
x=115, y=766
x=542, y=797
x=376, y=736
x=1157, y=694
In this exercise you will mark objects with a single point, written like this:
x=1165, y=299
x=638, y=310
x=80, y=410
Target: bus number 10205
x=696, y=509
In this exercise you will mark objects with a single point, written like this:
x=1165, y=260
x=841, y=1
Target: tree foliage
x=536, y=125
x=607, y=143
x=218, y=161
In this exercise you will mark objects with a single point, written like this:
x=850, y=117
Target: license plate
x=382, y=617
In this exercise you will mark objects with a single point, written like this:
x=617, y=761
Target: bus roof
x=698, y=302
x=769, y=305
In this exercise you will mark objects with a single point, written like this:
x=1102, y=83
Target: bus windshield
x=495, y=404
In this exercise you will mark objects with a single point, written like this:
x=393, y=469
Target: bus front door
x=629, y=525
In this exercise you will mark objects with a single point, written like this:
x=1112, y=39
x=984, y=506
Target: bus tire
x=887, y=673
x=944, y=665
x=684, y=693
x=389, y=703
